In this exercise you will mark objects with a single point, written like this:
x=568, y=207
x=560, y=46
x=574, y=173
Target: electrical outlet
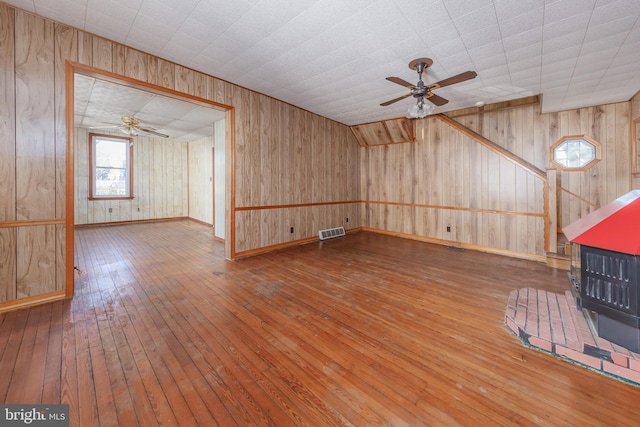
x=448, y=229
x=110, y=210
x=138, y=209
x=347, y=219
x=291, y=230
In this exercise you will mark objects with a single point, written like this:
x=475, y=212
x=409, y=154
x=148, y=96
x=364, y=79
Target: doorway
x=167, y=122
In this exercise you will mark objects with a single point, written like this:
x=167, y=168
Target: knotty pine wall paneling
x=8, y=119
x=447, y=179
x=66, y=48
x=32, y=156
x=489, y=202
x=8, y=264
x=36, y=243
x=220, y=181
x=608, y=179
x=35, y=118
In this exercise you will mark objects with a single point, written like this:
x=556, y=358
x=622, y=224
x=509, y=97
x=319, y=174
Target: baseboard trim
x=265, y=249
x=487, y=249
x=134, y=221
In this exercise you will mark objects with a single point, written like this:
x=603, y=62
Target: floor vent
x=330, y=233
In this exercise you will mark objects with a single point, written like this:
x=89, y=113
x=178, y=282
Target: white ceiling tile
x=124, y=12
x=443, y=33
x=492, y=76
x=614, y=35
x=522, y=39
x=484, y=37
x=565, y=42
x=459, y=8
x=448, y=48
x=217, y=16
x=426, y=16
x=577, y=23
x=479, y=20
x=205, y=33
x=522, y=23
x=170, y=14
x=489, y=49
x=607, y=13
x=565, y=11
x=526, y=63
x=379, y=14
x=525, y=53
x=184, y=40
x=509, y=9
x=455, y=63
x=337, y=53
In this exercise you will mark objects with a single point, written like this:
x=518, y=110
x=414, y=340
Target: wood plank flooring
x=364, y=330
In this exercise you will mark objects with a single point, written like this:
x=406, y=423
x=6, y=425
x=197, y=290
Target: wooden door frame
x=71, y=68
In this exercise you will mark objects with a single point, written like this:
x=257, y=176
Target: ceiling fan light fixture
x=420, y=110
x=129, y=131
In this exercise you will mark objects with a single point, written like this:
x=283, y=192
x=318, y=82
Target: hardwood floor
x=364, y=330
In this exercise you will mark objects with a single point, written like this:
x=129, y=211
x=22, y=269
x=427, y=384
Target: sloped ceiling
x=332, y=56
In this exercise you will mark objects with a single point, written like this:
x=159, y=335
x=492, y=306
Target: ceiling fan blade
x=467, y=75
x=153, y=132
x=435, y=99
x=384, y=104
x=399, y=81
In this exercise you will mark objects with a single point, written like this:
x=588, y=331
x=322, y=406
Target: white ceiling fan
x=132, y=126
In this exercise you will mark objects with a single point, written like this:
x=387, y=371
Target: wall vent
x=330, y=233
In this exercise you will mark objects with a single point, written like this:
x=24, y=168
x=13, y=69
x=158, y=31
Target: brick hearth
x=552, y=323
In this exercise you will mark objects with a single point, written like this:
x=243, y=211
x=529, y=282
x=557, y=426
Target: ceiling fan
x=132, y=126
x=423, y=92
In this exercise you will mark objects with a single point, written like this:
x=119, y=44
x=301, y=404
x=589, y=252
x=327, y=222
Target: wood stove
x=609, y=287
x=606, y=270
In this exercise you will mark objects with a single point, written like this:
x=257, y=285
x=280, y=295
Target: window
x=111, y=172
x=577, y=152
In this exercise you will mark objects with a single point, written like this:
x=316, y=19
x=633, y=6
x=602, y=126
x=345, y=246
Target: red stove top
x=615, y=227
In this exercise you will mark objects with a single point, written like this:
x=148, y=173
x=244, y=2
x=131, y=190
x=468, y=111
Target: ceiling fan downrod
x=420, y=90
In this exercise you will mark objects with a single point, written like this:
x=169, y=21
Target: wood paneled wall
x=221, y=212
x=635, y=117
x=446, y=179
x=289, y=164
x=608, y=179
x=160, y=184
x=393, y=131
x=201, y=179
x=32, y=158
x=304, y=174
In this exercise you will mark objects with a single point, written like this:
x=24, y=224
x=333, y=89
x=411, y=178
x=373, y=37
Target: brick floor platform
x=552, y=323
